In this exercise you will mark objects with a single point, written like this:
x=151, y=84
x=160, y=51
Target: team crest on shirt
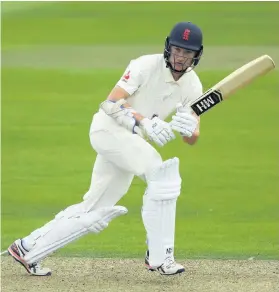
x=126, y=77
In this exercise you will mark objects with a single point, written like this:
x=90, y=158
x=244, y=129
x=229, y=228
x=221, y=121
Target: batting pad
x=159, y=210
x=67, y=230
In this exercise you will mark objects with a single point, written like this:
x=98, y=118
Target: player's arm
x=194, y=138
x=119, y=93
x=187, y=123
x=128, y=84
x=117, y=107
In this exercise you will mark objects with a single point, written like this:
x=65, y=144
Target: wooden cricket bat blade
x=230, y=84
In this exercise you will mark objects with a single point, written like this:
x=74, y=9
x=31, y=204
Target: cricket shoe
x=168, y=268
x=17, y=251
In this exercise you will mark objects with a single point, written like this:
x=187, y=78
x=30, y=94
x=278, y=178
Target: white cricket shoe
x=17, y=251
x=168, y=268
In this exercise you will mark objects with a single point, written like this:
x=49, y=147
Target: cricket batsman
x=122, y=132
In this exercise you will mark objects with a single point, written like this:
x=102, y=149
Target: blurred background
x=61, y=59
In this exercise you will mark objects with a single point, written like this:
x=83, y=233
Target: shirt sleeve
x=132, y=77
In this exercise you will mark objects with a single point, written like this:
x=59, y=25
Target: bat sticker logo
x=207, y=101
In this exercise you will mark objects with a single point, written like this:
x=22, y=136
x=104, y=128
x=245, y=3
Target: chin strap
x=177, y=71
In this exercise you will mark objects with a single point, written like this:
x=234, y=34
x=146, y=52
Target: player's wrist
x=138, y=117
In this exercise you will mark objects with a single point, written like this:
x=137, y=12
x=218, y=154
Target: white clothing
x=153, y=89
x=121, y=154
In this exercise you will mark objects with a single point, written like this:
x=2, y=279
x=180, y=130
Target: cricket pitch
x=111, y=275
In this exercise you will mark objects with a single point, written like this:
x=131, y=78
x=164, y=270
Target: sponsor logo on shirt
x=126, y=77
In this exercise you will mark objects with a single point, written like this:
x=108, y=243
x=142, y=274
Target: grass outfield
x=229, y=202
x=137, y=22
x=228, y=205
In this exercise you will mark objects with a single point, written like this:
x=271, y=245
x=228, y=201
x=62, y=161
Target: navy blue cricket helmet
x=185, y=35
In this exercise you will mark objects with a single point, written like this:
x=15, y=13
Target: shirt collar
x=167, y=73
x=169, y=78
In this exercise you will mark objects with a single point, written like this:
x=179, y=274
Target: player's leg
x=80, y=224
x=129, y=154
x=107, y=181
x=159, y=204
x=110, y=181
x=158, y=213
x=108, y=185
x=127, y=151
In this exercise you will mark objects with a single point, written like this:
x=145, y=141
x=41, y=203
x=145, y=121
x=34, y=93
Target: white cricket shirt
x=153, y=89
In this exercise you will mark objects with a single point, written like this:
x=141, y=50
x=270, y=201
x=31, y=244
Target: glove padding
x=157, y=131
x=123, y=116
x=184, y=122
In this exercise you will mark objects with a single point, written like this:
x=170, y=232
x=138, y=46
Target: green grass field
x=60, y=60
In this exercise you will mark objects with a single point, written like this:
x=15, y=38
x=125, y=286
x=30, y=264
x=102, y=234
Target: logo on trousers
x=169, y=250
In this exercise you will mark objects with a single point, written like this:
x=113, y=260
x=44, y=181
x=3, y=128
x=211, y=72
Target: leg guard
x=159, y=208
x=72, y=211
x=69, y=228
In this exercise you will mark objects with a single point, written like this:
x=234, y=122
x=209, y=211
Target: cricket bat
x=236, y=80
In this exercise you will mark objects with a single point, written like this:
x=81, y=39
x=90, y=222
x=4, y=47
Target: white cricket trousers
x=121, y=155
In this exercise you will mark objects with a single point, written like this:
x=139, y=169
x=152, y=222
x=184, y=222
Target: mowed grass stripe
x=118, y=57
x=141, y=22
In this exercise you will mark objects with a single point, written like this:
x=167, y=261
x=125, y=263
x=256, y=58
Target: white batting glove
x=157, y=131
x=184, y=122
